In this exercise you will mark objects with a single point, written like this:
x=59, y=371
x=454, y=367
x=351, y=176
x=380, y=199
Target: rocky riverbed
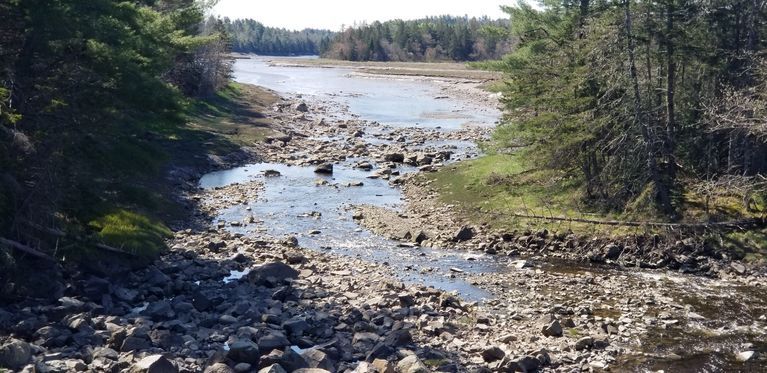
x=221, y=300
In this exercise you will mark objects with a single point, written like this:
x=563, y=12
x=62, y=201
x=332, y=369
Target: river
x=663, y=320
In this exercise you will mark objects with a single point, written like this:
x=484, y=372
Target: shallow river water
x=321, y=219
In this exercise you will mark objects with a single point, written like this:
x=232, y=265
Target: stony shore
x=220, y=302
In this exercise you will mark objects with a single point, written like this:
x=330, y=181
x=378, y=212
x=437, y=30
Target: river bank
x=237, y=293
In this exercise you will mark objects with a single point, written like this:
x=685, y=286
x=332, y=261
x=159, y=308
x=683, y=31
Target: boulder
x=554, y=329
x=244, y=351
x=292, y=361
x=394, y=157
x=411, y=364
x=218, y=368
x=316, y=358
x=302, y=107
x=15, y=354
x=274, y=368
x=273, y=341
x=745, y=356
x=324, y=168
x=493, y=354
x=464, y=233
x=242, y=368
x=272, y=274
x=154, y=364
x=584, y=343
x=272, y=173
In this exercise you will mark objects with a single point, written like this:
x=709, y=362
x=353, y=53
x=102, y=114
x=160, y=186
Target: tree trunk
x=663, y=198
x=670, y=142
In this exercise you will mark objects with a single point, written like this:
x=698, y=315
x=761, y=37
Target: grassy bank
x=497, y=188
x=137, y=204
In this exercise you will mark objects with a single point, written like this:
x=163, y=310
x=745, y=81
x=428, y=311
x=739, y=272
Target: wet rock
x=411, y=364
x=272, y=274
x=584, y=343
x=554, y=329
x=272, y=173
x=290, y=241
x=464, y=233
x=492, y=354
x=218, y=368
x=324, y=168
x=154, y=364
x=244, y=351
x=15, y=354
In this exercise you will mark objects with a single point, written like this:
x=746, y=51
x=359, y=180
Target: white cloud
x=331, y=14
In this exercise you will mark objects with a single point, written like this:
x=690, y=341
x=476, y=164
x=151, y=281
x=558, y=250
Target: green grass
x=122, y=197
x=488, y=189
x=132, y=233
x=234, y=114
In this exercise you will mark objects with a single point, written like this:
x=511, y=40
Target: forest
x=250, y=36
x=428, y=39
x=91, y=94
x=650, y=108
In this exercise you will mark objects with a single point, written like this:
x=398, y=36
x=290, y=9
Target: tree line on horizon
x=251, y=36
x=428, y=39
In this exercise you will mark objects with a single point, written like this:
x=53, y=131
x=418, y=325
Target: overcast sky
x=331, y=14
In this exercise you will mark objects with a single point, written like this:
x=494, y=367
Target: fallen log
x=26, y=249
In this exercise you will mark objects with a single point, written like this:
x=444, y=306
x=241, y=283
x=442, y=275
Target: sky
x=332, y=14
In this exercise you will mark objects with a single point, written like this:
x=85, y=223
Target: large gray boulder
x=244, y=351
x=15, y=354
x=272, y=274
